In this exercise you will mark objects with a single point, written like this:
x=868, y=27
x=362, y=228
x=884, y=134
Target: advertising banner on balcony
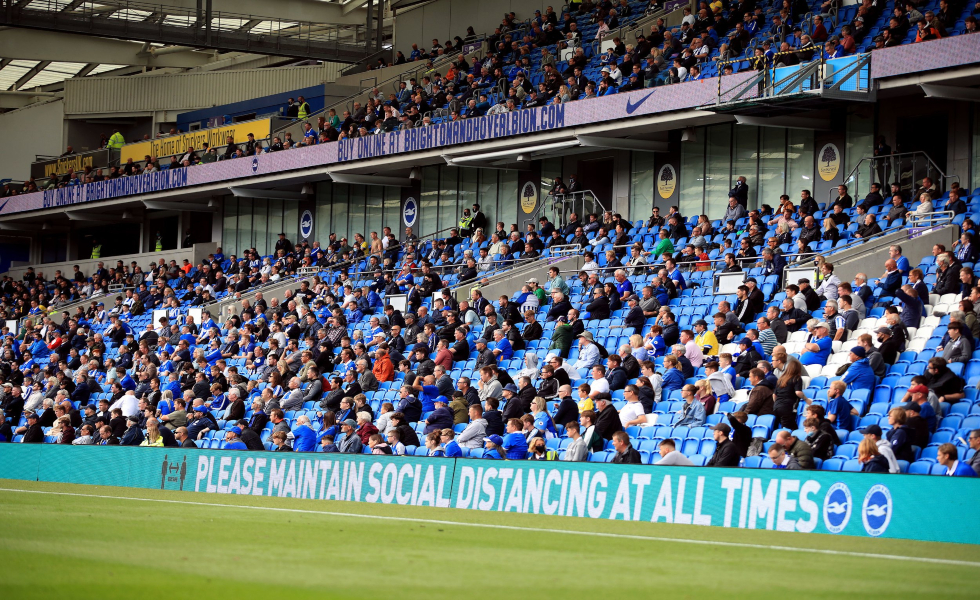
x=216, y=136
x=855, y=504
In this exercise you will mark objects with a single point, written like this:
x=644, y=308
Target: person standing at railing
x=303, y=109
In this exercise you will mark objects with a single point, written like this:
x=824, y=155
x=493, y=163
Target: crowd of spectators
x=335, y=367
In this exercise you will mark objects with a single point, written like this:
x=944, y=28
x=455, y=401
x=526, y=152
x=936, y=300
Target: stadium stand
x=337, y=367
x=555, y=58
x=632, y=351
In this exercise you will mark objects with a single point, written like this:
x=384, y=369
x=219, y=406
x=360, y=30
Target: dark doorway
x=909, y=137
x=199, y=230
x=597, y=175
x=116, y=239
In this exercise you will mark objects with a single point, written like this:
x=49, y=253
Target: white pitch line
x=621, y=536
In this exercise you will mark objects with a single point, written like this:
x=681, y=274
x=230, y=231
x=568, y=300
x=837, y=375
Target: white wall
x=445, y=19
x=36, y=129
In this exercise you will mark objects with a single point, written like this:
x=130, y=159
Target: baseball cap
x=872, y=429
x=722, y=427
x=350, y=423
x=236, y=430
x=821, y=324
x=604, y=69
x=701, y=322
x=859, y=351
x=201, y=409
x=31, y=415
x=918, y=389
x=913, y=407
x=752, y=279
x=532, y=280
x=510, y=387
x=586, y=334
x=133, y=418
x=495, y=439
x=481, y=341
x=442, y=399
x=745, y=342
x=884, y=330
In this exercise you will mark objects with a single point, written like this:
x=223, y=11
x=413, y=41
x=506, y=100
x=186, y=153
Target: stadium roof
x=21, y=69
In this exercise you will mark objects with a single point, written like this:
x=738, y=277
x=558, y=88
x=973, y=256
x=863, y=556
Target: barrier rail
x=846, y=503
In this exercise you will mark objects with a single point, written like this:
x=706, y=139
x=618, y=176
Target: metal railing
x=908, y=168
x=558, y=207
x=847, y=77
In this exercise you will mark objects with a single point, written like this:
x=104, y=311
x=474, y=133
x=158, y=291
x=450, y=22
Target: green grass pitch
x=76, y=541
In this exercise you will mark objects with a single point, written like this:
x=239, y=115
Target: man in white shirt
x=669, y=455
x=632, y=413
x=128, y=404
x=600, y=385
x=588, y=355
x=828, y=287
x=576, y=451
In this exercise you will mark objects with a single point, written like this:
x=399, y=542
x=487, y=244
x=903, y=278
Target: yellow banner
x=216, y=136
x=63, y=165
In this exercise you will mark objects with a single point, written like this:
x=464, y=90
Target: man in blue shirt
x=623, y=285
x=675, y=275
x=514, y=443
x=860, y=375
x=304, y=436
x=233, y=442
x=818, y=350
x=502, y=348
x=947, y=456
x=449, y=443
x=838, y=408
x=902, y=263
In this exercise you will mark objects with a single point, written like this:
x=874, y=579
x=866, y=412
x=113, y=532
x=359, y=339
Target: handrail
x=887, y=164
x=931, y=219
x=563, y=200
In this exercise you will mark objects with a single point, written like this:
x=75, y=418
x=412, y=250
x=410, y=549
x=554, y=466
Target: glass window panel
x=799, y=162
x=641, y=185
x=260, y=226
x=244, y=225
x=692, y=175
x=356, y=209
x=323, y=223
x=448, y=197
x=469, y=183
x=975, y=171
x=772, y=166
x=392, y=211
x=429, y=203
x=339, y=209
x=860, y=143
x=487, y=192
x=745, y=160
x=229, y=228
x=275, y=225
x=290, y=221
x=507, y=204
x=718, y=169
x=375, y=210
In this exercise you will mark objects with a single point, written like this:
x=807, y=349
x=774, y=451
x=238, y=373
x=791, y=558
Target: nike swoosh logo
x=630, y=107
